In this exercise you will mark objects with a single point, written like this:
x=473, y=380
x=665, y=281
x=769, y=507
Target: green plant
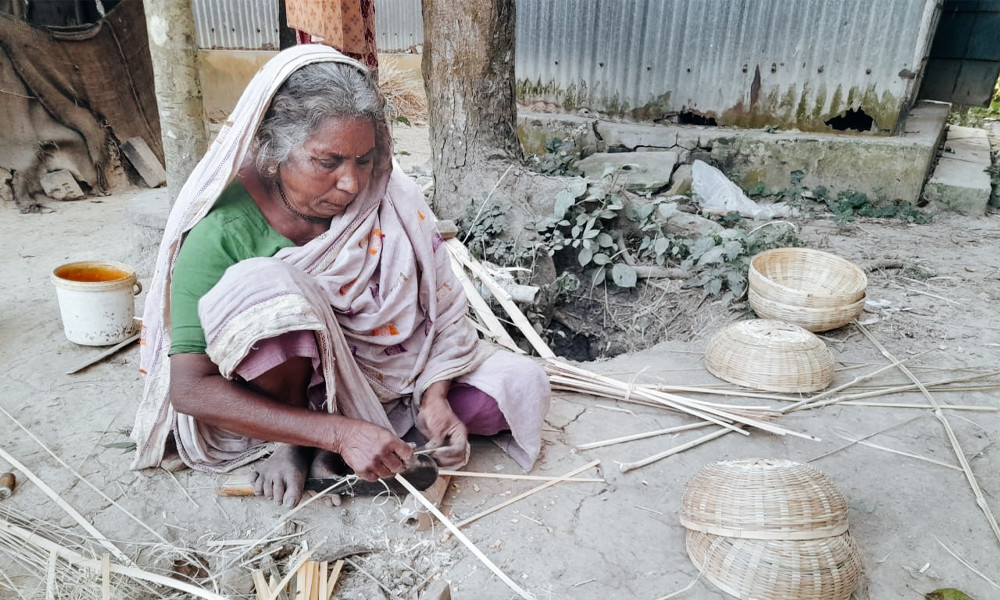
x=847, y=205
x=558, y=156
x=720, y=262
x=485, y=237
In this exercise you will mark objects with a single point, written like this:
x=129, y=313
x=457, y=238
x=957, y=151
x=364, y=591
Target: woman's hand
x=447, y=436
x=372, y=451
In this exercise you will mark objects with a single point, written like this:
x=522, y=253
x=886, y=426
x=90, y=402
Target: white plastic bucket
x=96, y=301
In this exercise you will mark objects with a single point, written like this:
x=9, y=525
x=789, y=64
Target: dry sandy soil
x=912, y=520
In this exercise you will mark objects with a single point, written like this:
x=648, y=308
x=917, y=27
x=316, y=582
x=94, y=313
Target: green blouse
x=233, y=230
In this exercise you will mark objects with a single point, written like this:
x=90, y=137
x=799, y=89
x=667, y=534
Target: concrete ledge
x=960, y=181
x=888, y=167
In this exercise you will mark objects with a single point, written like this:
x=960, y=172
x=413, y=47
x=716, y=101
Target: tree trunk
x=174, y=54
x=468, y=70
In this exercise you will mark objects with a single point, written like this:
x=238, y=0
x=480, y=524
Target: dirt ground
x=914, y=522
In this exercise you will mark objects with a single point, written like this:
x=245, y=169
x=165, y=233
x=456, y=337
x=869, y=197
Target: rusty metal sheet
x=752, y=63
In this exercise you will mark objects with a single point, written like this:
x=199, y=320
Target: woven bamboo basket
x=822, y=569
x=807, y=278
x=813, y=319
x=767, y=499
x=770, y=355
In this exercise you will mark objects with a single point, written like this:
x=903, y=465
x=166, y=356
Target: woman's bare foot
x=282, y=476
x=328, y=465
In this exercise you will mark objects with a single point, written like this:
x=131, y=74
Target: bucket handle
x=138, y=288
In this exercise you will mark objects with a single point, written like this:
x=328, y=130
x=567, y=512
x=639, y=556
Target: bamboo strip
x=260, y=584
x=106, y=576
x=324, y=581
x=462, y=253
x=640, y=436
x=291, y=573
x=50, y=576
x=899, y=452
x=481, y=308
x=626, y=467
x=443, y=472
x=334, y=578
x=906, y=405
x=90, y=485
x=964, y=562
x=314, y=576
x=936, y=385
x=81, y=561
x=533, y=490
x=955, y=445
x=66, y=507
x=677, y=402
x=461, y=537
x=827, y=393
x=300, y=583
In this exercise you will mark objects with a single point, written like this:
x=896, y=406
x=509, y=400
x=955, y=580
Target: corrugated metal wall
x=399, y=25
x=253, y=24
x=236, y=24
x=742, y=62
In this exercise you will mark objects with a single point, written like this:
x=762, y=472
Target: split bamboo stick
x=291, y=573
x=955, y=445
x=626, y=467
x=444, y=472
x=459, y=251
x=465, y=541
x=826, y=394
x=331, y=585
x=260, y=584
x=481, y=308
x=106, y=576
x=966, y=407
x=641, y=436
x=533, y=490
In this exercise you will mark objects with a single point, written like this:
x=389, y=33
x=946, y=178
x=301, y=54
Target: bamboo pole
x=446, y=472
x=955, y=445
x=465, y=541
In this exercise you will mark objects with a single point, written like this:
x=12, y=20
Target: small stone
x=60, y=185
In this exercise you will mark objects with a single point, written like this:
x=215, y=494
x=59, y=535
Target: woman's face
x=331, y=168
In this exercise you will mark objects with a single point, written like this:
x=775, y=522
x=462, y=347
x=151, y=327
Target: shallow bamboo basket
x=806, y=278
x=770, y=355
x=811, y=318
x=768, y=499
x=822, y=569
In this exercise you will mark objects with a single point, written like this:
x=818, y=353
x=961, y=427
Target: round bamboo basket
x=770, y=355
x=807, y=278
x=823, y=569
x=766, y=499
x=811, y=318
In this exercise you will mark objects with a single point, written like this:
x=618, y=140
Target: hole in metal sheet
x=856, y=120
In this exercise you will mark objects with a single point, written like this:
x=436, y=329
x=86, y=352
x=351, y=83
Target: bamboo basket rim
x=767, y=354
x=832, y=279
x=838, y=582
x=812, y=318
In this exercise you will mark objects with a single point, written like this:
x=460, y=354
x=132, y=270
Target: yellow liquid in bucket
x=91, y=273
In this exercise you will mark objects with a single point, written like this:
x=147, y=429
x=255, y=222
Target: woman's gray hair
x=308, y=97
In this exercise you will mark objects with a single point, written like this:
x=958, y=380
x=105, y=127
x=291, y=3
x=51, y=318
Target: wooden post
x=174, y=54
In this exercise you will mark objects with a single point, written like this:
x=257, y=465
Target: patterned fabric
x=347, y=25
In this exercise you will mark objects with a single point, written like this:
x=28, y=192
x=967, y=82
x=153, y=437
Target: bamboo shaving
x=967, y=565
x=626, y=467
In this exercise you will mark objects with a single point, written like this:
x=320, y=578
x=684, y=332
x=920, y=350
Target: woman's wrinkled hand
x=374, y=452
x=448, y=439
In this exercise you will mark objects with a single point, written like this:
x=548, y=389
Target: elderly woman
x=303, y=297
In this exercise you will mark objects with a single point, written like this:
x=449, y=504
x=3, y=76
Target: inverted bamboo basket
x=770, y=529
x=812, y=318
x=806, y=277
x=766, y=499
x=770, y=355
x=823, y=569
